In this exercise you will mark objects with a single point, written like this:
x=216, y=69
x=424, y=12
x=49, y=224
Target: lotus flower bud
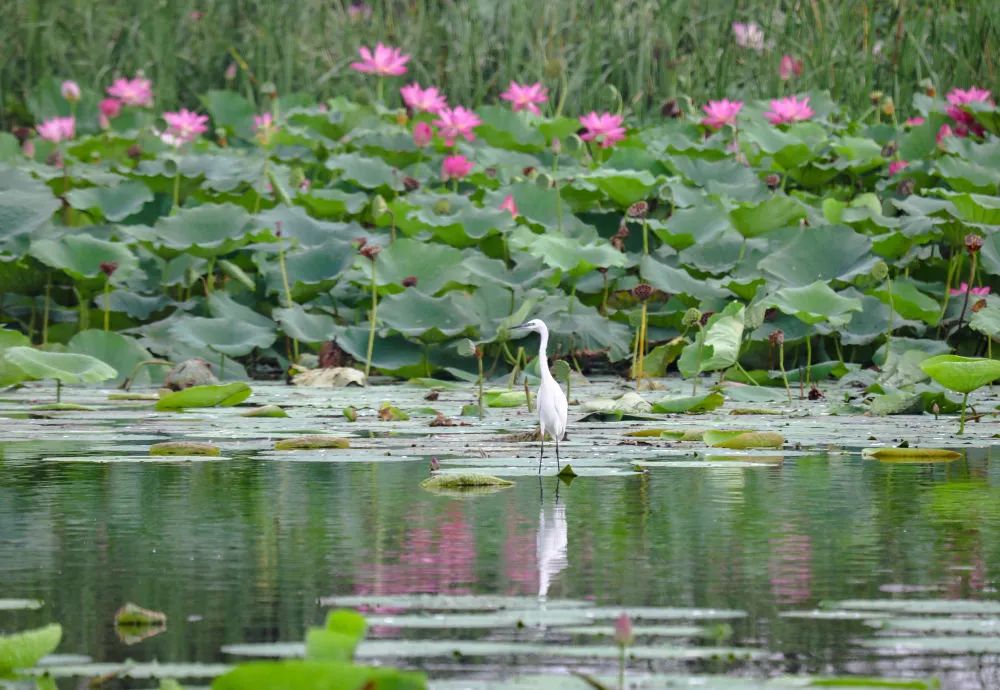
x=230, y=72
x=409, y=281
x=777, y=338
x=888, y=107
x=638, y=210
x=411, y=184
x=556, y=146
x=642, y=292
x=379, y=206
x=880, y=271
x=773, y=181
x=109, y=267
x=973, y=243
x=70, y=91
x=691, y=317
x=370, y=251
x=875, y=97
x=623, y=631
x=815, y=393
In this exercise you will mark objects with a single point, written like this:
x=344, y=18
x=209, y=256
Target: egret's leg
x=541, y=452
x=558, y=469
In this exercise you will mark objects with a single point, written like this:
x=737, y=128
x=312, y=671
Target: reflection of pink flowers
x=896, y=166
x=57, y=129
x=790, y=568
x=606, y=129
x=976, y=291
x=426, y=100
x=385, y=61
x=789, y=67
x=749, y=35
x=719, y=113
x=137, y=91
x=455, y=167
x=914, y=121
x=790, y=109
x=457, y=122
x=509, y=205
x=525, y=96
x=423, y=133
x=184, y=126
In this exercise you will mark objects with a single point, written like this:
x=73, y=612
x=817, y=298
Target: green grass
x=589, y=52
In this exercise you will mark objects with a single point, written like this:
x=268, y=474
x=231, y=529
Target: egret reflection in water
x=551, y=542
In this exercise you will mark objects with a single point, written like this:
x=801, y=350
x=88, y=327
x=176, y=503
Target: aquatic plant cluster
x=714, y=240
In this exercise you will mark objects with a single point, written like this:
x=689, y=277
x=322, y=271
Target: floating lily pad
x=916, y=454
x=264, y=411
x=184, y=448
x=463, y=480
x=719, y=438
x=134, y=615
x=225, y=395
x=20, y=604
x=312, y=441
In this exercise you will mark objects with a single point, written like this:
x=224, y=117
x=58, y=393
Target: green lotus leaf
x=233, y=338
x=114, y=203
x=909, y=302
x=961, y=374
x=134, y=305
x=752, y=220
x=24, y=649
x=9, y=338
x=300, y=674
x=120, y=351
x=967, y=176
x=985, y=321
x=720, y=438
x=231, y=111
x=692, y=403
x=61, y=366
x=433, y=265
x=624, y=187
x=719, y=343
x=435, y=319
x=451, y=218
x=366, y=171
x=677, y=281
x=81, y=255
x=824, y=253
x=725, y=178
x=977, y=208
x=334, y=203
x=310, y=270
x=505, y=129
x=225, y=395
x=699, y=225
x=790, y=148
x=299, y=227
x=304, y=326
x=23, y=212
x=207, y=230
x=815, y=303
x=223, y=306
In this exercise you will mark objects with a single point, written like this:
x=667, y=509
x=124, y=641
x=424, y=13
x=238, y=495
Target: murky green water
x=243, y=550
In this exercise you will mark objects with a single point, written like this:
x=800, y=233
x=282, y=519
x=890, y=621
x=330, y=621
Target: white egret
x=551, y=401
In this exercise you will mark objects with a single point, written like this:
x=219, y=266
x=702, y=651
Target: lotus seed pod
x=880, y=271
x=973, y=243
x=638, y=210
x=642, y=292
x=777, y=338
x=691, y=317
x=370, y=251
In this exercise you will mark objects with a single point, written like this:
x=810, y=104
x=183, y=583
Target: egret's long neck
x=543, y=358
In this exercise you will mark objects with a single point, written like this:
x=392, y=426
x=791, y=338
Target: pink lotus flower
x=896, y=166
x=70, y=91
x=965, y=120
x=385, y=62
x=790, y=109
x=605, y=128
x=623, y=631
x=137, y=91
x=426, y=100
x=964, y=288
x=914, y=121
x=525, y=96
x=457, y=122
x=789, y=67
x=183, y=126
x=423, y=134
x=57, y=129
x=943, y=133
x=509, y=205
x=110, y=107
x=264, y=121
x=721, y=113
x=230, y=72
x=749, y=35
x=971, y=95
x=455, y=168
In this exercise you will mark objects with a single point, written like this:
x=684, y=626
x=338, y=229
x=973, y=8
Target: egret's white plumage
x=552, y=405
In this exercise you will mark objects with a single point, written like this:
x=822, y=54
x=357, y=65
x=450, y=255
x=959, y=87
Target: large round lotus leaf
x=826, y=253
x=206, y=230
x=222, y=305
x=225, y=395
x=567, y=253
x=303, y=326
x=961, y=374
x=987, y=320
x=120, y=351
x=231, y=111
x=978, y=208
x=62, y=366
x=725, y=178
x=233, y=338
x=367, y=172
x=815, y=303
x=413, y=313
x=81, y=255
x=751, y=220
x=305, y=230
x=23, y=212
x=309, y=265
x=503, y=129
x=334, y=203
x=454, y=219
x=677, y=281
x=433, y=265
x=909, y=302
x=789, y=148
x=115, y=203
x=624, y=187
x=10, y=338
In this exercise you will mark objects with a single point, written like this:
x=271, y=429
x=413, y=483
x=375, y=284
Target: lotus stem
x=645, y=238
x=947, y=286
x=177, y=193
x=555, y=185
x=621, y=667
x=257, y=202
x=961, y=423
x=371, y=329
x=288, y=292
x=892, y=313
x=968, y=291
x=379, y=89
x=222, y=365
x=809, y=359
x=45, y=309
x=479, y=357
x=59, y=396
x=107, y=305
x=527, y=395
x=700, y=340
x=784, y=376
x=642, y=348
x=127, y=383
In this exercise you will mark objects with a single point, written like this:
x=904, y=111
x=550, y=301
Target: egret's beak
x=519, y=327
